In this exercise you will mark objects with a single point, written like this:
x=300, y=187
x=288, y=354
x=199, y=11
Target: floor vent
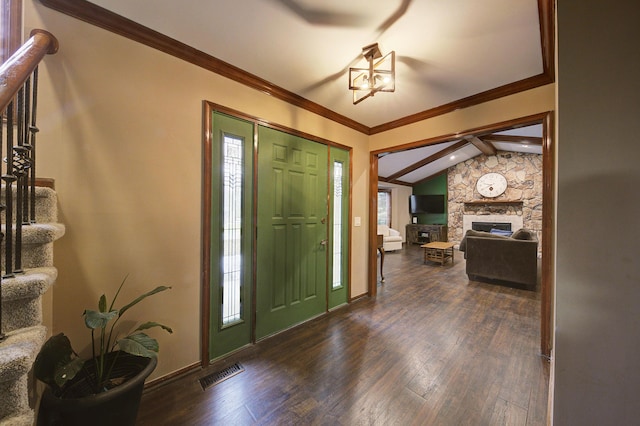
x=220, y=376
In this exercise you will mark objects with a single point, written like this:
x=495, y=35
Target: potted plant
x=103, y=390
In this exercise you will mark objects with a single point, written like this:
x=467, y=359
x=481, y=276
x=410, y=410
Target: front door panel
x=292, y=231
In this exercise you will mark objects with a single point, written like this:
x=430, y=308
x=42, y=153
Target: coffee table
x=438, y=251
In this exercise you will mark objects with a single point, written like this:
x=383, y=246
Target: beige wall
x=121, y=135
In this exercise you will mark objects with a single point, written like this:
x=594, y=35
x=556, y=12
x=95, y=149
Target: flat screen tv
x=433, y=203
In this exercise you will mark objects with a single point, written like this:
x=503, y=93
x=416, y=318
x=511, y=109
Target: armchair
x=391, y=239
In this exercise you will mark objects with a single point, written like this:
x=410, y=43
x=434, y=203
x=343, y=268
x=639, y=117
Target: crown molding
x=103, y=18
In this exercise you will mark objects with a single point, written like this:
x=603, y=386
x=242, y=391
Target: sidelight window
x=232, y=162
x=337, y=223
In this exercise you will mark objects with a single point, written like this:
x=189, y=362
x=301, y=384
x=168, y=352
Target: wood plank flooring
x=433, y=348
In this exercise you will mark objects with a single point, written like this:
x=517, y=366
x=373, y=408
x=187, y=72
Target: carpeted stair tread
x=21, y=297
x=17, y=353
x=46, y=202
x=37, y=244
x=39, y=233
x=25, y=419
x=33, y=283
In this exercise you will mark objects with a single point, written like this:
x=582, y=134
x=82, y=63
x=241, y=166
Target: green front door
x=292, y=232
x=231, y=234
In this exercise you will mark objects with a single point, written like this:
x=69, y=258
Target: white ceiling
x=446, y=50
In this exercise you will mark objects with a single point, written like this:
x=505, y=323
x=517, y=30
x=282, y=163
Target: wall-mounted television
x=432, y=203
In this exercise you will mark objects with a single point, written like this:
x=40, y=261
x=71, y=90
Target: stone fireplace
x=520, y=205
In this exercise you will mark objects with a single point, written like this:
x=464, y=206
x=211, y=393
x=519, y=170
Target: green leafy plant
x=57, y=363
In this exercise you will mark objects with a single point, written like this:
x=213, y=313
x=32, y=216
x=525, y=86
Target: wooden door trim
x=373, y=225
x=205, y=260
x=548, y=235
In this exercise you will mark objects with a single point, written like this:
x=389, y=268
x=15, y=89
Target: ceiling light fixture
x=380, y=76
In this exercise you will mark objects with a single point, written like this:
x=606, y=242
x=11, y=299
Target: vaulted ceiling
x=412, y=166
x=449, y=54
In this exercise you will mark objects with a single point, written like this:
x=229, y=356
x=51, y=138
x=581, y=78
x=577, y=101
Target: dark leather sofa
x=508, y=260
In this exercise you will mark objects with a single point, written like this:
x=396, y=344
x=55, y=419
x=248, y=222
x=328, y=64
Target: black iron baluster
x=26, y=143
x=33, y=130
x=9, y=178
x=18, y=172
x=20, y=167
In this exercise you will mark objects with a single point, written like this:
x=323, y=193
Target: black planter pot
x=116, y=406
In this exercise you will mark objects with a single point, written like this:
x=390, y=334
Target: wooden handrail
x=21, y=64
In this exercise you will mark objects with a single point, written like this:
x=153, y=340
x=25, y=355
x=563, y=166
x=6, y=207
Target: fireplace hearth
x=514, y=220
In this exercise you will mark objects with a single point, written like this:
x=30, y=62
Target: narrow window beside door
x=337, y=224
x=232, y=230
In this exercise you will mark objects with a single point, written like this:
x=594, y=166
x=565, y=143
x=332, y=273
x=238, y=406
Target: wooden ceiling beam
x=524, y=140
x=395, y=181
x=484, y=146
x=438, y=155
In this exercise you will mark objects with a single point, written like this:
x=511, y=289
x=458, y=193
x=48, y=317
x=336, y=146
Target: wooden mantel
x=493, y=202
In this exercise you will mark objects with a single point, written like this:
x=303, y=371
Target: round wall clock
x=491, y=185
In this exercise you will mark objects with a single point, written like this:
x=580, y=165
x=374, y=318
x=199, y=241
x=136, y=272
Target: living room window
x=384, y=207
x=10, y=27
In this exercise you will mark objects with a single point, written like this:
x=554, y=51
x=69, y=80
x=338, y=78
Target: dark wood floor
x=433, y=348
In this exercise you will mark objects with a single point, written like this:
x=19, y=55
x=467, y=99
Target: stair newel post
x=8, y=179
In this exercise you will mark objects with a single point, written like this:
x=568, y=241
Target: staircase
x=22, y=311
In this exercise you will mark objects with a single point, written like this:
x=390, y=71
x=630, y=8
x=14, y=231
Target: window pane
x=337, y=224
x=231, y=230
x=384, y=208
